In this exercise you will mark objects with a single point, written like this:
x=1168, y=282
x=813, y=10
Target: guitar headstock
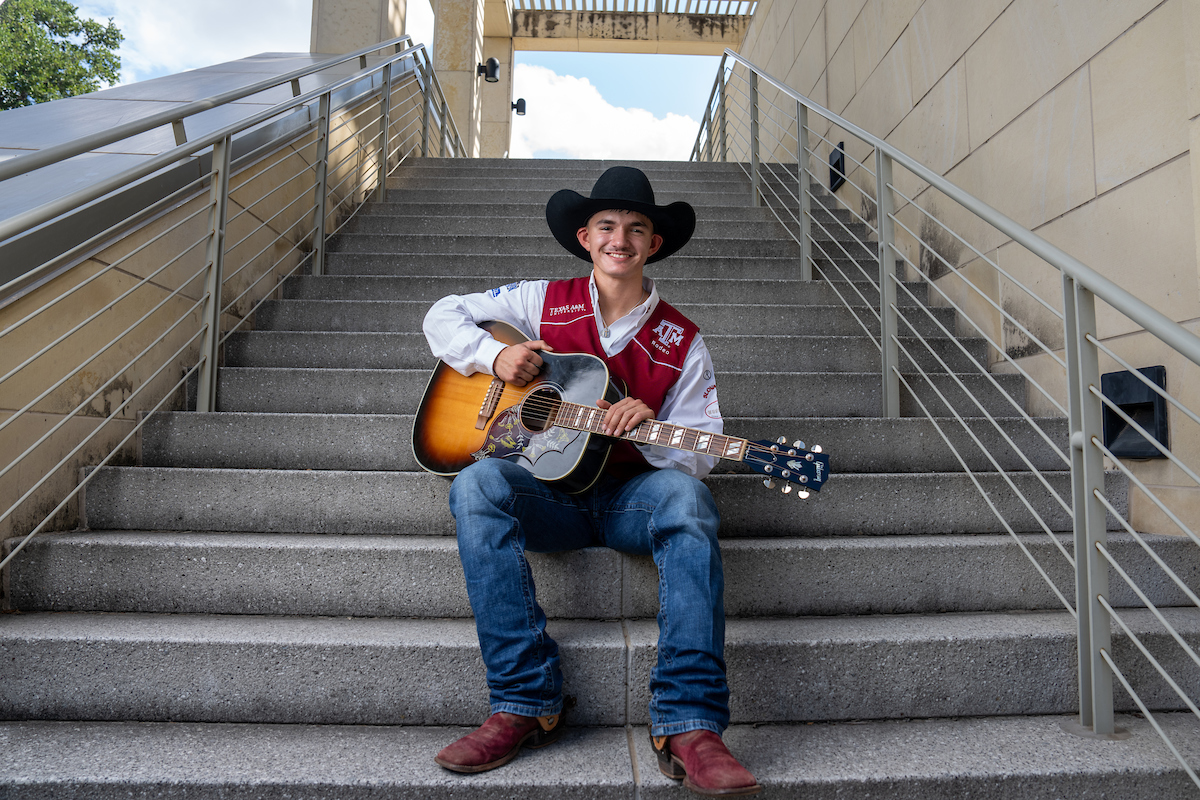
x=800, y=469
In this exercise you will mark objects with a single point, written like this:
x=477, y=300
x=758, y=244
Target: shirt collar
x=642, y=311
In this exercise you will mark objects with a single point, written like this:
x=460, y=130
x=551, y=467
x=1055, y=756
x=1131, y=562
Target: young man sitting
x=649, y=500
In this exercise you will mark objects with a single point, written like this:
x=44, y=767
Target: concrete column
x=457, y=52
x=342, y=26
x=465, y=34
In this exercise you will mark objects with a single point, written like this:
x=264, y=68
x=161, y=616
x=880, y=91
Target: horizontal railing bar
x=1057, y=313
x=987, y=498
x=27, y=163
x=1133, y=637
x=987, y=453
x=99, y=274
x=96, y=393
x=1150, y=551
x=1120, y=466
x=67, y=418
x=999, y=429
x=1149, y=716
x=1128, y=420
x=853, y=259
x=87, y=478
x=984, y=335
x=957, y=271
x=266, y=296
x=43, y=213
x=312, y=208
x=1132, y=370
x=1171, y=332
x=248, y=162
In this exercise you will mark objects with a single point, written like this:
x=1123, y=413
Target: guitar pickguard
x=507, y=437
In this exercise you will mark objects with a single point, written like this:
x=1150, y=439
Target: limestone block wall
x=1076, y=118
x=145, y=283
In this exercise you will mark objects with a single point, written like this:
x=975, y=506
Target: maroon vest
x=649, y=365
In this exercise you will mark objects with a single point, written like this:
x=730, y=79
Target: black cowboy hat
x=626, y=189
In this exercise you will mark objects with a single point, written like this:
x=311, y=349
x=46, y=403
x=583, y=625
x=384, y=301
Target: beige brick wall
x=1076, y=118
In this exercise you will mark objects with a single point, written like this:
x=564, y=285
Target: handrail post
x=1078, y=504
x=385, y=124
x=805, y=200
x=318, y=265
x=754, y=179
x=1095, y=519
x=426, y=99
x=206, y=388
x=888, y=321
x=721, y=110
x=446, y=144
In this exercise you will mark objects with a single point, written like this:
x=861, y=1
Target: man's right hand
x=518, y=364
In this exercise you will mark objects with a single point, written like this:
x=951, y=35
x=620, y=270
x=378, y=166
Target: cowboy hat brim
x=568, y=211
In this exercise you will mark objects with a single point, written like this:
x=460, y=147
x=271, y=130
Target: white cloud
x=162, y=38
x=567, y=115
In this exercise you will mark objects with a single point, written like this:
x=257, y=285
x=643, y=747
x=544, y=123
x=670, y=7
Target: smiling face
x=619, y=242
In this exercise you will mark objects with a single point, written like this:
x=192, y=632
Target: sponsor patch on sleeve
x=496, y=292
x=712, y=410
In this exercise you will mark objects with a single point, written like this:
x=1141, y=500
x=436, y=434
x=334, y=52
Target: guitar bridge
x=490, y=401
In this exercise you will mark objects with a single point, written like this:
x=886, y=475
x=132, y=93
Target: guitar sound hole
x=540, y=408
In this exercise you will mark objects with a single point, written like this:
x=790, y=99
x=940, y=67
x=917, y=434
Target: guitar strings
x=546, y=405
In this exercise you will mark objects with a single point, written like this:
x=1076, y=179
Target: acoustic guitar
x=552, y=427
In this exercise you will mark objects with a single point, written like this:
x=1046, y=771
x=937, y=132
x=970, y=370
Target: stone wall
x=1075, y=118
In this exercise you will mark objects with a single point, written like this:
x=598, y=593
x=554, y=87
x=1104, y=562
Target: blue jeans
x=502, y=511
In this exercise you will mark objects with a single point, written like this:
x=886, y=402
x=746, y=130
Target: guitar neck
x=590, y=419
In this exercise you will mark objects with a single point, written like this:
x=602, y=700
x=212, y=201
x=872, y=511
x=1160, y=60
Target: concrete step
x=495, y=225
x=245, y=440
x=415, y=503
x=668, y=188
x=1004, y=758
x=528, y=244
x=356, y=671
x=361, y=350
x=781, y=320
x=560, y=265
x=420, y=576
x=476, y=209
x=675, y=290
x=743, y=394
x=465, y=193
x=584, y=167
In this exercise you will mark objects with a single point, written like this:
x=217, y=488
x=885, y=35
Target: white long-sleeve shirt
x=452, y=329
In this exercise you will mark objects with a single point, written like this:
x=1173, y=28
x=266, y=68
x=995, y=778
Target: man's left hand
x=624, y=415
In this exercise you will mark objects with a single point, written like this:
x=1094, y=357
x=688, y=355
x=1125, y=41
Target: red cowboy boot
x=704, y=763
x=497, y=741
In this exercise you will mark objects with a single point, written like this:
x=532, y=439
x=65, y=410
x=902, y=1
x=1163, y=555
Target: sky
x=580, y=105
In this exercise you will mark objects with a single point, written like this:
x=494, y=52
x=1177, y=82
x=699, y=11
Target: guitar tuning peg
x=781, y=440
x=787, y=489
x=770, y=484
x=816, y=448
x=803, y=494
x=798, y=444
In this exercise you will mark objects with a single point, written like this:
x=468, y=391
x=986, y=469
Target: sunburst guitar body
x=553, y=428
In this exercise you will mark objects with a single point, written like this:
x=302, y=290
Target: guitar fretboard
x=590, y=419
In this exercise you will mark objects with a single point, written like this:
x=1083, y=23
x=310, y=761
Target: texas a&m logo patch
x=668, y=334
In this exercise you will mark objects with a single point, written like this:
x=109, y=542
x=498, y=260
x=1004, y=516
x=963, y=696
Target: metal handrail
x=774, y=146
x=384, y=113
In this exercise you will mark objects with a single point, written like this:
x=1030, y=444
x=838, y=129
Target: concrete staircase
x=271, y=604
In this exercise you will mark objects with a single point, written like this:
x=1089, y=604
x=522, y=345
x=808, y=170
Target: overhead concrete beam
x=627, y=32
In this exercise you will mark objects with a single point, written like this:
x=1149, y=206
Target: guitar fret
x=654, y=431
x=703, y=442
x=676, y=436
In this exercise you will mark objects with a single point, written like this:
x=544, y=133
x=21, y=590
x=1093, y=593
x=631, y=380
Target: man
x=649, y=500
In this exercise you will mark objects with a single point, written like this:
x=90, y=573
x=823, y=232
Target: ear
x=656, y=242
x=582, y=236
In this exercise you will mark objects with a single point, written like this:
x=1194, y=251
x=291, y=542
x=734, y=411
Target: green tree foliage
x=47, y=52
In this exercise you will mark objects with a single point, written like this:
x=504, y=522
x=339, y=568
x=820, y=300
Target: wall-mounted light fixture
x=519, y=106
x=490, y=70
